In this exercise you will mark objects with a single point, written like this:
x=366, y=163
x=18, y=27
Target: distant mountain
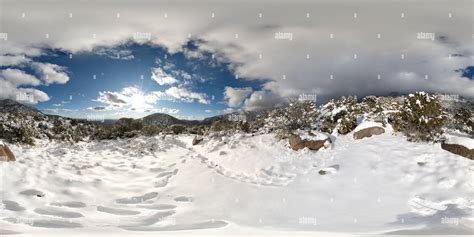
x=168, y=120
x=161, y=119
x=11, y=106
x=248, y=116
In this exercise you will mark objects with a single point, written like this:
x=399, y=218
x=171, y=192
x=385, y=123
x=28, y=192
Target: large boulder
x=459, y=150
x=368, y=129
x=459, y=144
x=5, y=153
x=368, y=132
x=312, y=141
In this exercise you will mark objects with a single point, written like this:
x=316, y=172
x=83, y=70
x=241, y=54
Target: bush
x=127, y=125
x=374, y=109
x=298, y=115
x=421, y=117
x=18, y=134
x=340, y=115
x=151, y=130
x=178, y=129
x=346, y=124
x=463, y=120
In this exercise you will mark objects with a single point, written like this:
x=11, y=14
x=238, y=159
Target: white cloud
x=262, y=100
x=11, y=60
x=24, y=95
x=109, y=97
x=18, y=77
x=51, y=73
x=228, y=110
x=114, y=53
x=161, y=77
x=164, y=110
x=186, y=95
x=11, y=79
x=133, y=99
x=235, y=96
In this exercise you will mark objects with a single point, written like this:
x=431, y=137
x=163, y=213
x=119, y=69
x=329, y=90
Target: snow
x=367, y=124
x=236, y=185
x=460, y=139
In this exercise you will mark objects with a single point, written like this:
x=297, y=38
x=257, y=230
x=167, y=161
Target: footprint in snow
x=32, y=192
x=161, y=184
x=45, y=223
x=116, y=211
x=158, y=206
x=191, y=226
x=137, y=199
x=183, y=199
x=12, y=206
x=71, y=204
x=149, y=220
x=58, y=213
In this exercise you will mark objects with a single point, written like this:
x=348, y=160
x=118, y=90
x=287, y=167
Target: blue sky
x=102, y=70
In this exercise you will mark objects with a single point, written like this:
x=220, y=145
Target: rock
x=197, y=140
x=368, y=132
x=322, y=172
x=459, y=150
x=296, y=143
x=5, y=153
x=421, y=163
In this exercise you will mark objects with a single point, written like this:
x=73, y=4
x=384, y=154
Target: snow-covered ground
x=237, y=185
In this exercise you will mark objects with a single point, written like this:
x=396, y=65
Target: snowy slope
x=237, y=185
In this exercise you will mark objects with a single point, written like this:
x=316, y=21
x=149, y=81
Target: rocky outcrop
x=5, y=153
x=297, y=143
x=197, y=140
x=368, y=132
x=459, y=150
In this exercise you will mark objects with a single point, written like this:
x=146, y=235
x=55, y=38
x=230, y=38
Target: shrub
x=421, y=117
x=300, y=114
x=340, y=115
x=346, y=124
x=22, y=133
x=128, y=124
x=243, y=126
x=374, y=109
x=463, y=120
x=178, y=129
x=150, y=130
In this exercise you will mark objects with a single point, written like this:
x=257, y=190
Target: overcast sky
x=199, y=58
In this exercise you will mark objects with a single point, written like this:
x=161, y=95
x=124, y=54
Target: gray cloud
x=235, y=96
